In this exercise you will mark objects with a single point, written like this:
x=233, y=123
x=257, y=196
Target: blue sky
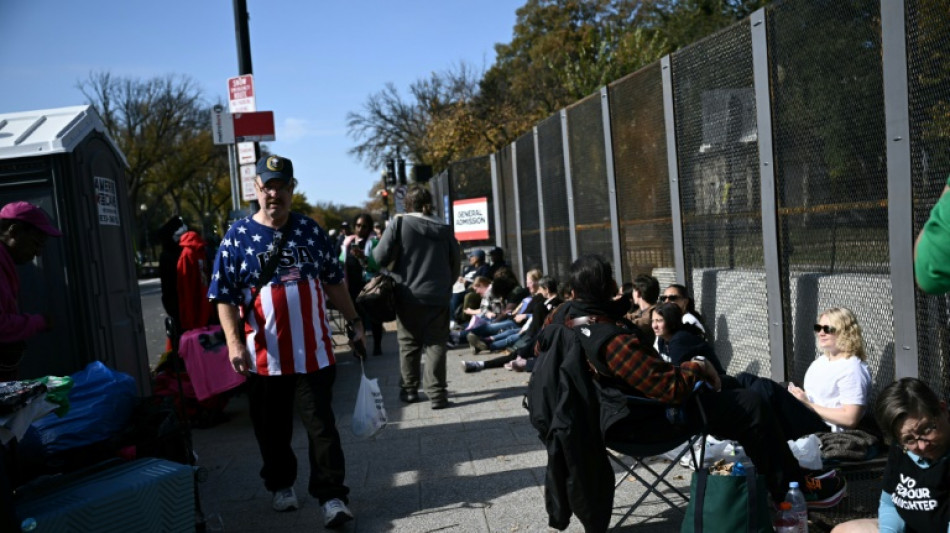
x=313, y=60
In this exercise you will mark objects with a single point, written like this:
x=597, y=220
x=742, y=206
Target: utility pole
x=243, y=36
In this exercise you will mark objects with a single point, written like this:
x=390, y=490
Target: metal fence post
x=517, y=200
x=679, y=260
x=899, y=193
x=496, y=202
x=770, y=244
x=572, y=229
x=537, y=171
x=611, y=186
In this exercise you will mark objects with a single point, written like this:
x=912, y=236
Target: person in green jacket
x=932, y=249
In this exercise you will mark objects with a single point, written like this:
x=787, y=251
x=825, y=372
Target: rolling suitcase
x=146, y=495
x=206, y=358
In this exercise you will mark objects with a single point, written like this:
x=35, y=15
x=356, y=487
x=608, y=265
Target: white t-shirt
x=836, y=383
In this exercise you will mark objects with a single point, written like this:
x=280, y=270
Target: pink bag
x=206, y=359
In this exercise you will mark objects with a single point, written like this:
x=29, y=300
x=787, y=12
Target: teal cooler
x=146, y=495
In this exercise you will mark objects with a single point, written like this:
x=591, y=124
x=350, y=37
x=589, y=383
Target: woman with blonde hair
x=838, y=382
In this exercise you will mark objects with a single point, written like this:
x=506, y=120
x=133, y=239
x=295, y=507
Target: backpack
x=556, y=343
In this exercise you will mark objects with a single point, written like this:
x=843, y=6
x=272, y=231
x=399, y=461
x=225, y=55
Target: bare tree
x=389, y=122
x=150, y=120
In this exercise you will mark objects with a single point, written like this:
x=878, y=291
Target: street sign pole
x=235, y=181
x=243, y=37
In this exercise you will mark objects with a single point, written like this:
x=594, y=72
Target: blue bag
x=100, y=404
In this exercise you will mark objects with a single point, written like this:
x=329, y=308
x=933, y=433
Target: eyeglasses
x=926, y=435
x=276, y=188
x=830, y=330
x=669, y=297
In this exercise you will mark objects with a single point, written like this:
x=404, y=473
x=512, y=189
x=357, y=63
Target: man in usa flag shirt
x=282, y=343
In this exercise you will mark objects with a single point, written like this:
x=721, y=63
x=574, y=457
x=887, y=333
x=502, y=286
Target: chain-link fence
x=928, y=62
x=757, y=167
x=640, y=163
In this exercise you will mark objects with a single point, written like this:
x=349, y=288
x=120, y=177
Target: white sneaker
x=335, y=513
x=285, y=500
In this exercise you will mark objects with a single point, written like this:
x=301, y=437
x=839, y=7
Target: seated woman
x=677, y=294
x=837, y=383
x=916, y=489
x=677, y=342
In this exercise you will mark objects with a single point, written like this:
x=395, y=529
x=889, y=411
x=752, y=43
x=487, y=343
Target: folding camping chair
x=640, y=452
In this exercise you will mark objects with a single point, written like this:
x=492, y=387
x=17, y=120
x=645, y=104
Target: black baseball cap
x=275, y=167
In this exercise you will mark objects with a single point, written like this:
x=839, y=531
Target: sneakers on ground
x=335, y=513
x=824, y=491
x=472, y=366
x=478, y=345
x=285, y=500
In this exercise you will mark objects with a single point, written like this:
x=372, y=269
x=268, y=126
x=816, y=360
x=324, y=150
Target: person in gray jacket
x=427, y=263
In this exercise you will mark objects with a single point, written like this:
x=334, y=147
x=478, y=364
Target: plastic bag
x=808, y=451
x=100, y=404
x=715, y=450
x=369, y=416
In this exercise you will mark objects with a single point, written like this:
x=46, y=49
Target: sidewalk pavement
x=476, y=466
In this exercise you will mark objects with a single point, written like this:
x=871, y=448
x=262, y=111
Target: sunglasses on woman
x=669, y=298
x=830, y=330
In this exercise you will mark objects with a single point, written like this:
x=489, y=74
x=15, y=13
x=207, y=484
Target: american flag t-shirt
x=288, y=330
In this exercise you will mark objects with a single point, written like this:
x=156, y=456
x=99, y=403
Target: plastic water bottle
x=795, y=497
x=785, y=522
x=742, y=462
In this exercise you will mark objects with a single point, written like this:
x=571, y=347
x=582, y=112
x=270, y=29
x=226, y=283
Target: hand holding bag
x=727, y=504
x=369, y=416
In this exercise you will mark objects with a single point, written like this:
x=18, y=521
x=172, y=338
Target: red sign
x=254, y=127
x=241, y=94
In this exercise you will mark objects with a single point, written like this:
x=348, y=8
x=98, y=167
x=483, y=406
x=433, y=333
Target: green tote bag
x=727, y=504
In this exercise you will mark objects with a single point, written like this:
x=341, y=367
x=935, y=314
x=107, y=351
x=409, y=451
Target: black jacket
x=565, y=408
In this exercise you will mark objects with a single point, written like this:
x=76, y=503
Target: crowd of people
x=661, y=347
x=276, y=272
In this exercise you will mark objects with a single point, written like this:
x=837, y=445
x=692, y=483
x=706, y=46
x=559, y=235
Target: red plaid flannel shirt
x=641, y=368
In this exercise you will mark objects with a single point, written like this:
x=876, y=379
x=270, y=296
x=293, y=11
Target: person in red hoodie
x=193, y=275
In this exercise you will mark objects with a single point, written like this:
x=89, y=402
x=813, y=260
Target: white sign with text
x=471, y=219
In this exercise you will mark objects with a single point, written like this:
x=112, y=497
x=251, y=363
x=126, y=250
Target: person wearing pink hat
x=24, y=229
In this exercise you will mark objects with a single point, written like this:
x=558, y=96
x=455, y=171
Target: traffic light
x=402, y=171
x=390, y=172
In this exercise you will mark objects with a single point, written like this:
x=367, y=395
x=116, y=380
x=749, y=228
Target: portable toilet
x=64, y=161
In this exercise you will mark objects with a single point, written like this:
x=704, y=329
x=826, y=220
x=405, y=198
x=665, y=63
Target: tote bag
x=727, y=504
